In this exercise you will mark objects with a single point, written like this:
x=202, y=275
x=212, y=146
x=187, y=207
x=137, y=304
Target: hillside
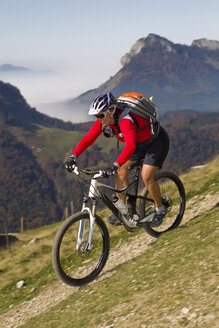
x=169, y=282
x=193, y=138
x=33, y=148
x=177, y=75
x=25, y=188
x=15, y=111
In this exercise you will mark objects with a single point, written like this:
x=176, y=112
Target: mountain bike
x=82, y=243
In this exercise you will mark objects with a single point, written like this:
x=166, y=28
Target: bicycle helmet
x=102, y=103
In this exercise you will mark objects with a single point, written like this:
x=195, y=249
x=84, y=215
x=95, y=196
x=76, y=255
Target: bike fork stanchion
x=92, y=194
x=91, y=229
x=80, y=233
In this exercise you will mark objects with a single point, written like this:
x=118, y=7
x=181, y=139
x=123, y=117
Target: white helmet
x=102, y=103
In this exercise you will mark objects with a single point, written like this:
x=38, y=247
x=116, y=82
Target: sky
x=82, y=41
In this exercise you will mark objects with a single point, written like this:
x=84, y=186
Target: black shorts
x=155, y=152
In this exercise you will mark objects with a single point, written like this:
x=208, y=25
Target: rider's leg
x=122, y=178
x=148, y=173
x=121, y=182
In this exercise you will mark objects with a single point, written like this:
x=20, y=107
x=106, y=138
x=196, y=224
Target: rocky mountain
x=177, y=75
x=205, y=43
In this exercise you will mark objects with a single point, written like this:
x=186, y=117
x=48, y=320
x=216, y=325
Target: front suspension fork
x=88, y=245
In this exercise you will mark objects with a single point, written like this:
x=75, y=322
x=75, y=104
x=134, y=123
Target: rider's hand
x=111, y=170
x=71, y=163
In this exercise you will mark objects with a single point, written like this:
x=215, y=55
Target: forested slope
x=33, y=148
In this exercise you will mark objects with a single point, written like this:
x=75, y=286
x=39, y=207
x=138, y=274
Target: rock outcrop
x=205, y=43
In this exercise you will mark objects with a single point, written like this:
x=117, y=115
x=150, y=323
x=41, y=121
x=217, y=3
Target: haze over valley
x=178, y=76
x=48, y=88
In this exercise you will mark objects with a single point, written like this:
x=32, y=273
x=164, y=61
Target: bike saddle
x=139, y=163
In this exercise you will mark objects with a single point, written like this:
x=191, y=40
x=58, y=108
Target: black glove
x=111, y=170
x=71, y=163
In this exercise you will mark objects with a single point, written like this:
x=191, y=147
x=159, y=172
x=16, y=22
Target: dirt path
x=58, y=291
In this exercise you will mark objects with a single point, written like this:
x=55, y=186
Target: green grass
x=34, y=284
x=30, y=263
x=199, y=182
x=65, y=141
x=178, y=271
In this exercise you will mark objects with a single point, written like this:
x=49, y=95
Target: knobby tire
x=69, y=268
x=175, y=180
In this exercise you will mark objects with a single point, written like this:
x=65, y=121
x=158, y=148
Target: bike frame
x=94, y=194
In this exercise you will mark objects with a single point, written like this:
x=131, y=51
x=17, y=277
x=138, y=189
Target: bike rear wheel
x=173, y=197
x=74, y=263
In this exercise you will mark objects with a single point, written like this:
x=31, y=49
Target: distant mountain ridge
x=9, y=69
x=178, y=76
x=12, y=68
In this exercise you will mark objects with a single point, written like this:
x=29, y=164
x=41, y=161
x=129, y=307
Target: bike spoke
x=173, y=197
x=75, y=261
x=169, y=190
x=79, y=262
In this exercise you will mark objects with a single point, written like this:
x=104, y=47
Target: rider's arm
x=88, y=139
x=129, y=130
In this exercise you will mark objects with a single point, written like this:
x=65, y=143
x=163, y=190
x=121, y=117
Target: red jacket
x=130, y=136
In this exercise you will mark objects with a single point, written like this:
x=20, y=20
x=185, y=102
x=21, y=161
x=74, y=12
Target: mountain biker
x=107, y=110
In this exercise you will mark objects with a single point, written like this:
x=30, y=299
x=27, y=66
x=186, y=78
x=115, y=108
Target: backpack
x=140, y=104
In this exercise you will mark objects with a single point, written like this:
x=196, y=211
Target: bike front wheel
x=75, y=262
x=174, y=199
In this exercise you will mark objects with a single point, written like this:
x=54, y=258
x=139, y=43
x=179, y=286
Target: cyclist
x=107, y=110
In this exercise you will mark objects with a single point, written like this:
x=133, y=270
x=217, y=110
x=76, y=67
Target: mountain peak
x=135, y=49
x=150, y=41
x=179, y=75
x=154, y=38
x=12, y=68
x=205, y=43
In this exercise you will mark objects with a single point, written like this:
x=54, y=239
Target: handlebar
x=90, y=172
x=99, y=173
x=95, y=173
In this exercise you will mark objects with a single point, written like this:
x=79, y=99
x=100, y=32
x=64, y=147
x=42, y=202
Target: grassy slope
x=178, y=271
x=61, y=148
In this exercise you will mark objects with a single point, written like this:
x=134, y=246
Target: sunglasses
x=101, y=115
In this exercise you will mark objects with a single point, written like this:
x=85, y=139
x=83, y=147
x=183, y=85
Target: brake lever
x=76, y=170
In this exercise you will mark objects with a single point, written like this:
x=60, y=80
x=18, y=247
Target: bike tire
x=76, y=267
x=171, y=183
